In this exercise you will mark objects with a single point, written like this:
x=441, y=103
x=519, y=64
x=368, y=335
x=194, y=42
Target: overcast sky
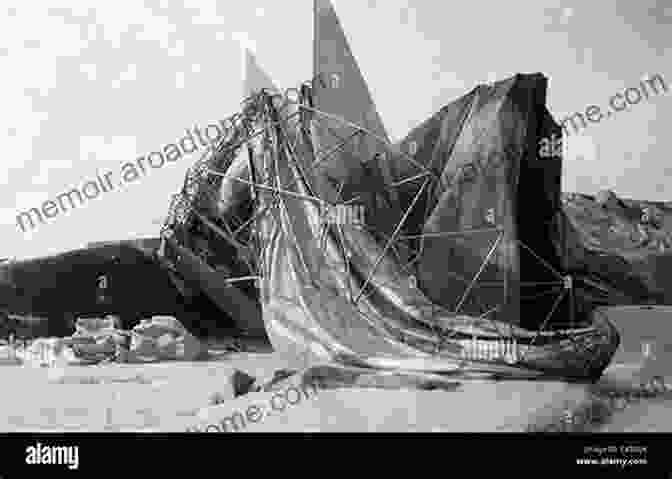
x=91, y=84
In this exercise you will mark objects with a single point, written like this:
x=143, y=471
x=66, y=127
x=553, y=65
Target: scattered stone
x=217, y=398
x=607, y=199
x=336, y=377
x=242, y=383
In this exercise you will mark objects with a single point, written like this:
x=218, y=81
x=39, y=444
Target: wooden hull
x=579, y=354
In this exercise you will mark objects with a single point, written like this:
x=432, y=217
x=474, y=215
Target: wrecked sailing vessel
x=454, y=267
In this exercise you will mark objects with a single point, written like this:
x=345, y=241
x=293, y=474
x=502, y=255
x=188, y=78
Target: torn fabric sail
x=339, y=293
x=491, y=220
x=345, y=292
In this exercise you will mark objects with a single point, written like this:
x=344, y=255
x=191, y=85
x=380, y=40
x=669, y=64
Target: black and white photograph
x=336, y=216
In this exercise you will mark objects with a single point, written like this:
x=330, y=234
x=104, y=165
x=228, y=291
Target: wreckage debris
x=96, y=340
x=242, y=383
x=329, y=376
x=341, y=296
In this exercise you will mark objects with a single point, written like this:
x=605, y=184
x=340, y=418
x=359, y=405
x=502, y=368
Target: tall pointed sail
x=340, y=90
x=340, y=72
x=254, y=77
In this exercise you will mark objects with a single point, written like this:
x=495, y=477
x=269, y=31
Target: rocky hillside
x=623, y=244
